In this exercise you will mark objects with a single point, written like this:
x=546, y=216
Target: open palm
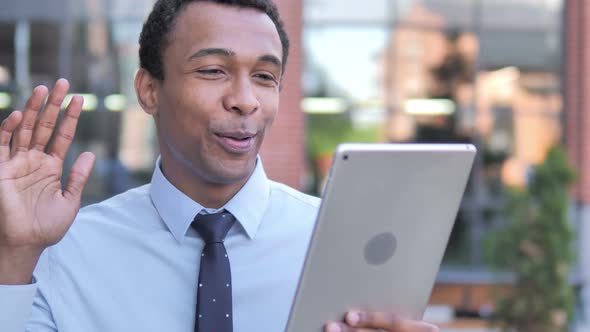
x=35, y=211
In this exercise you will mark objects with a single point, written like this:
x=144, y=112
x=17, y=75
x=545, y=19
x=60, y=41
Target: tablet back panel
x=382, y=229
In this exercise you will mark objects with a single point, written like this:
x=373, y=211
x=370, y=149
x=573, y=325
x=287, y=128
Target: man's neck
x=208, y=194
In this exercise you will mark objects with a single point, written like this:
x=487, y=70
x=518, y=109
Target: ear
x=146, y=88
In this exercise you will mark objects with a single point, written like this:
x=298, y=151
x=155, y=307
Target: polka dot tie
x=214, y=295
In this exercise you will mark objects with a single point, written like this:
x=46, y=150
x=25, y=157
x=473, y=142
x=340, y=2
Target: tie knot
x=213, y=227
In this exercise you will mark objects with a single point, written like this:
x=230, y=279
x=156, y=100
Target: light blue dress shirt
x=131, y=263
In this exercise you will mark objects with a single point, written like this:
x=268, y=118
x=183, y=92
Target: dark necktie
x=214, y=304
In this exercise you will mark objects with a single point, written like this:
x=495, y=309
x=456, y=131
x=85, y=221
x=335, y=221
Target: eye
x=210, y=72
x=266, y=77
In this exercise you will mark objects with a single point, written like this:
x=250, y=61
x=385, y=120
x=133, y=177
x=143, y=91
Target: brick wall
x=577, y=83
x=283, y=150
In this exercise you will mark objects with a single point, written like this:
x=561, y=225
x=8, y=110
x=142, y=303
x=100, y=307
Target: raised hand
x=35, y=211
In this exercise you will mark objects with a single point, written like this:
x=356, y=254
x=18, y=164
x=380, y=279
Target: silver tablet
x=382, y=229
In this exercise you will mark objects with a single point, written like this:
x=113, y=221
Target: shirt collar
x=178, y=210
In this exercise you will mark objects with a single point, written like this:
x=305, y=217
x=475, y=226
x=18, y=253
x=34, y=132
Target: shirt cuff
x=16, y=303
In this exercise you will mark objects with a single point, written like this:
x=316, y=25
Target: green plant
x=326, y=131
x=536, y=246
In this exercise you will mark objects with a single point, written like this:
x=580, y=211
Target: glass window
x=129, y=9
x=521, y=14
x=323, y=11
x=6, y=58
x=429, y=91
x=346, y=71
x=436, y=13
x=99, y=58
x=342, y=86
x=479, y=71
x=65, y=10
x=519, y=95
x=32, y=10
x=429, y=86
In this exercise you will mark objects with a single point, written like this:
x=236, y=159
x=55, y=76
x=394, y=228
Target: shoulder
x=130, y=202
x=287, y=197
x=113, y=224
x=130, y=211
x=293, y=195
x=96, y=222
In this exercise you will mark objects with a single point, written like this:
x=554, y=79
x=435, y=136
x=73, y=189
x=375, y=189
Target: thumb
x=79, y=175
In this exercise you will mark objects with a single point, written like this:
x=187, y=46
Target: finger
x=7, y=128
x=46, y=120
x=67, y=128
x=387, y=321
x=341, y=327
x=79, y=175
x=23, y=134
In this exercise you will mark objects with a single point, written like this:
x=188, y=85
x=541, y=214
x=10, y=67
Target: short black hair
x=154, y=34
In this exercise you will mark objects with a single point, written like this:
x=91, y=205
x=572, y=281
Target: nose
x=241, y=97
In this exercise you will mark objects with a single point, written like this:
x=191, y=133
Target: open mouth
x=237, y=137
x=236, y=142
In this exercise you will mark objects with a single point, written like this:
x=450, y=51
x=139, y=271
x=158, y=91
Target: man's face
x=220, y=91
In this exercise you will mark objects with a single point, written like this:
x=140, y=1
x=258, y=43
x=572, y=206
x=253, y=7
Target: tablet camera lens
x=345, y=157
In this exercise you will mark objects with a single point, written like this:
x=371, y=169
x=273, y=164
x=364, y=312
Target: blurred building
x=488, y=72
